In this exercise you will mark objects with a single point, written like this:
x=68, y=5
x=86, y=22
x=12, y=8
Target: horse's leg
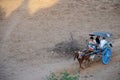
x=80, y=63
x=89, y=62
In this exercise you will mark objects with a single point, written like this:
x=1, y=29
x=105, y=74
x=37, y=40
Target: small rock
x=86, y=76
x=91, y=75
x=118, y=73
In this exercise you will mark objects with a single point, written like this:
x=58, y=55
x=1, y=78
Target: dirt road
x=31, y=29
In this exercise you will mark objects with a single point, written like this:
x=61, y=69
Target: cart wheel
x=107, y=56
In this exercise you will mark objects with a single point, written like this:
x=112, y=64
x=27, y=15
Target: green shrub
x=67, y=76
x=64, y=76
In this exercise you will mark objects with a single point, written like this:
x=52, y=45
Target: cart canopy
x=102, y=34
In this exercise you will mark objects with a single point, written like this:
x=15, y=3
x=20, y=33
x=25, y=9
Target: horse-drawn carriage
x=105, y=52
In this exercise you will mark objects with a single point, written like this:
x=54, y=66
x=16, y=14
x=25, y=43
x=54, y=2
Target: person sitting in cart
x=98, y=40
x=103, y=42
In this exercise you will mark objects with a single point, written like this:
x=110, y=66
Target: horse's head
x=77, y=54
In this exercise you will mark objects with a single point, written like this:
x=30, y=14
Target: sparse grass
x=63, y=76
x=52, y=76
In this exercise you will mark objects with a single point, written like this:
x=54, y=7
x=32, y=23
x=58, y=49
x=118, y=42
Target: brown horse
x=78, y=55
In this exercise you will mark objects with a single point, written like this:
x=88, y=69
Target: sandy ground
x=31, y=29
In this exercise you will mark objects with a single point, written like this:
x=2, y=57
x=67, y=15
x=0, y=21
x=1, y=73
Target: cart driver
x=92, y=44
